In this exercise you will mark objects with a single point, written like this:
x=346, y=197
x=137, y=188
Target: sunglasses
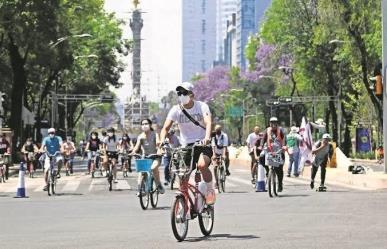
x=184, y=93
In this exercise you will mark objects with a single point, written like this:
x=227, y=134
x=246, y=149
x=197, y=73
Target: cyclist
x=251, y=141
x=27, y=148
x=323, y=152
x=52, y=144
x=219, y=145
x=92, y=146
x=110, y=145
x=171, y=141
x=68, y=152
x=5, y=151
x=293, y=140
x=126, y=146
x=274, y=135
x=194, y=121
x=149, y=141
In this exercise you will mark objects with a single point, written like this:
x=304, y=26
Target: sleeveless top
x=148, y=144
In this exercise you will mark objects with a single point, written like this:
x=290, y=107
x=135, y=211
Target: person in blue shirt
x=51, y=145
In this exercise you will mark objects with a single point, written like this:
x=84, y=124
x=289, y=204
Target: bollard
x=260, y=184
x=21, y=190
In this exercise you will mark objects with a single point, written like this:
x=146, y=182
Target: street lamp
x=62, y=39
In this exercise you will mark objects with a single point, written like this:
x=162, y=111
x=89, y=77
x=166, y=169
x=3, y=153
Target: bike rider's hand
x=206, y=141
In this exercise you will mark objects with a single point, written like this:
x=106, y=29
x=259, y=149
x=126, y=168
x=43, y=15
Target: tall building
x=199, y=36
x=230, y=43
x=248, y=19
x=225, y=9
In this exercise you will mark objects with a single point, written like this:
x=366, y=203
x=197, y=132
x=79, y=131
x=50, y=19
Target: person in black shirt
x=92, y=146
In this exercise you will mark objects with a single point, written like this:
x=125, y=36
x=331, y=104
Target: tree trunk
x=19, y=84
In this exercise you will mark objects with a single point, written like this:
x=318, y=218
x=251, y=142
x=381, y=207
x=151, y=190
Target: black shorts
x=112, y=155
x=207, y=151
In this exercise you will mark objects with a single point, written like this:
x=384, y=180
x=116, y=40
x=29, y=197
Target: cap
x=186, y=86
x=273, y=119
x=326, y=136
x=218, y=127
x=51, y=130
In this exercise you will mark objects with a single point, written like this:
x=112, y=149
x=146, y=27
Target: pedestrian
x=251, y=141
x=323, y=152
x=293, y=140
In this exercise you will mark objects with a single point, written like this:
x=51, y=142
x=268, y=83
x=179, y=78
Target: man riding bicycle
x=5, y=151
x=194, y=121
x=219, y=145
x=28, y=149
x=274, y=137
x=51, y=145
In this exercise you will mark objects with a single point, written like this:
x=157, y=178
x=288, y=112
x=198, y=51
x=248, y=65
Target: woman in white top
x=110, y=145
x=149, y=142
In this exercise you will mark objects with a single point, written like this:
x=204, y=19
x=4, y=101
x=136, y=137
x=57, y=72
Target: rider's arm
x=87, y=146
x=23, y=149
x=225, y=144
x=36, y=149
x=208, y=122
x=138, y=144
x=164, y=131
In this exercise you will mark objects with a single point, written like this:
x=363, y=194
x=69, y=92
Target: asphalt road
x=85, y=214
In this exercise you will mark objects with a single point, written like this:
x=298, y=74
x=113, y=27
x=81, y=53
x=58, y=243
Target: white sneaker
x=115, y=181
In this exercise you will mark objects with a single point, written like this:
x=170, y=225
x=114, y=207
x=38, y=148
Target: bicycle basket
x=143, y=165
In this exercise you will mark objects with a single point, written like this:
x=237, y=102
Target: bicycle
x=168, y=152
x=68, y=161
x=3, y=162
x=220, y=173
x=125, y=162
x=109, y=172
x=30, y=158
x=52, y=174
x=189, y=201
x=148, y=188
x=274, y=160
x=93, y=162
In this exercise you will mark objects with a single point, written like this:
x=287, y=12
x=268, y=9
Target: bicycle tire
x=173, y=178
x=223, y=179
x=206, y=227
x=49, y=183
x=272, y=187
x=179, y=221
x=143, y=195
x=110, y=178
x=154, y=193
x=217, y=178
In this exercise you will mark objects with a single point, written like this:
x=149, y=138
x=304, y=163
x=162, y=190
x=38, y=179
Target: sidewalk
x=374, y=179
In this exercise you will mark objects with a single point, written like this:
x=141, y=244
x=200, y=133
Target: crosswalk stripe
x=40, y=188
x=71, y=186
x=122, y=184
x=98, y=184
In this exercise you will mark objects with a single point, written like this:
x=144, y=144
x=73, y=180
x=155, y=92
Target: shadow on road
x=235, y=192
x=223, y=236
x=161, y=208
x=299, y=195
x=68, y=194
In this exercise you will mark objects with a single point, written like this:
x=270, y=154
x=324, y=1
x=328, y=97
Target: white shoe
x=115, y=181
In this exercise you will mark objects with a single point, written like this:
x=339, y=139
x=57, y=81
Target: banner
x=363, y=140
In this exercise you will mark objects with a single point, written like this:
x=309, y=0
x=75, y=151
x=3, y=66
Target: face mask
x=125, y=138
x=93, y=137
x=145, y=127
x=184, y=99
x=29, y=143
x=110, y=134
x=68, y=139
x=52, y=135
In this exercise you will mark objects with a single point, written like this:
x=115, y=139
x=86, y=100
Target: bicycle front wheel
x=154, y=193
x=179, y=219
x=206, y=220
x=222, y=180
x=143, y=195
x=271, y=183
x=53, y=184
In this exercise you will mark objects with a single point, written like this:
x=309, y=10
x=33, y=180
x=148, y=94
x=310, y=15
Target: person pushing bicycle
x=194, y=122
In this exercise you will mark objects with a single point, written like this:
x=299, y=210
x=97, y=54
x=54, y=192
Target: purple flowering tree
x=216, y=80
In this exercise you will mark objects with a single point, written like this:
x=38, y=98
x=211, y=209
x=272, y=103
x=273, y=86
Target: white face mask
x=29, y=143
x=52, y=135
x=93, y=137
x=110, y=134
x=145, y=127
x=184, y=99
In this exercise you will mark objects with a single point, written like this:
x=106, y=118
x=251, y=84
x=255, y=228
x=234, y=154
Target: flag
x=306, y=144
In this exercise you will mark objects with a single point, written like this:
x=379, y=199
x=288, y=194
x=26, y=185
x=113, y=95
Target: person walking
x=323, y=152
x=250, y=142
x=293, y=140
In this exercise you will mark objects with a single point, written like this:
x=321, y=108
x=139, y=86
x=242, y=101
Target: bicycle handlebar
x=53, y=155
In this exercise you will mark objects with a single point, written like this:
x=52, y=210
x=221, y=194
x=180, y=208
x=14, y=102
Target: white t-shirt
x=251, y=140
x=189, y=132
x=221, y=140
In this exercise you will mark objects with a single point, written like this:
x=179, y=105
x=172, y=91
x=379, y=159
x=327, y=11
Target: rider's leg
x=252, y=163
x=314, y=172
x=227, y=162
x=203, y=164
x=156, y=174
x=166, y=160
x=280, y=175
x=323, y=173
x=114, y=168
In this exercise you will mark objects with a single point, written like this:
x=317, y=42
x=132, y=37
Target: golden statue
x=135, y=3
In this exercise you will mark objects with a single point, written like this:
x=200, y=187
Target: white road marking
x=122, y=184
x=71, y=186
x=239, y=180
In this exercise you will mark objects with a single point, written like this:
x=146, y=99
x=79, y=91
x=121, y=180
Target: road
x=85, y=214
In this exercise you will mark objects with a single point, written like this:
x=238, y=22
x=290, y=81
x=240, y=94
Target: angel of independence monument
x=137, y=107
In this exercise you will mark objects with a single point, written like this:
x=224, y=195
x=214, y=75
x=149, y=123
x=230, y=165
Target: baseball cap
x=326, y=136
x=186, y=86
x=273, y=119
x=51, y=130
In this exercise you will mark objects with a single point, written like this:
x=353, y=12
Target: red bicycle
x=189, y=201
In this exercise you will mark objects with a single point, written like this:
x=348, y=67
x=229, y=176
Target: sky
x=161, y=33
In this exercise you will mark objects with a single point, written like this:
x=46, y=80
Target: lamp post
x=64, y=38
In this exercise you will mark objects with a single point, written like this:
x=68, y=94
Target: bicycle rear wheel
x=179, y=219
x=206, y=220
x=271, y=184
x=154, y=193
x=143, y=195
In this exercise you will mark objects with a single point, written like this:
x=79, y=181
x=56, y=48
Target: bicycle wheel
x=173, y=178
x=53, y=183
x=217, y=178
x=49, y=183
x=143, y=195
x=179, y=219
x=206, y=220
x=154, y=193
x=222, y=179
x=272, y=187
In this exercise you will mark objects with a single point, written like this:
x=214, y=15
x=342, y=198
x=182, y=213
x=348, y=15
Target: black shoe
x=45, y=188
x=312, y=184
x=228, y=173
x=288, y=175
x=58, y=175
x=253, y=181
x=279, y=187
x=296, y=175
